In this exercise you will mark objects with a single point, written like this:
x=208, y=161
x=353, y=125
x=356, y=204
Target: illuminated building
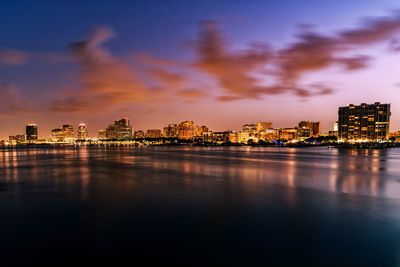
x=250, y=128
x=123, y=129
x=368, y=122
x=68, y=132
x=139, y=134
x=17, y=138
x=288, y=134
x=57, y=135
x=243, y=137
x=263, y=125
x=335, y=126
x=207, y=136
x=102, y=134
x=233, y=137
x=31, y=132
x=220, y=137
x=171, y=130
x=82, y=132
x=199, y=130
x=119, y=130
x=335, y=129
x=153, y=133
x=186, y=130
x=308, y=128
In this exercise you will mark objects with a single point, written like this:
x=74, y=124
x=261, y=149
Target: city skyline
x=312, y=128
x=356, y=123
x=246, y=62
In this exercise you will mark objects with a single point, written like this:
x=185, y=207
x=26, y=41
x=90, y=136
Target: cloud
x=168, y=78
x=313, y=52
x=14, y=57
x=372, y=30
x=106, y=81
x=109, y=82
x=191, y=95
x=12, y=102
x=232, y=70
x=238, y=72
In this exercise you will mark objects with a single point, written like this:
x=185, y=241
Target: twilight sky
x=219, y=63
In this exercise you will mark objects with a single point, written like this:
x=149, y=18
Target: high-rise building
x=58, y=135
x=309, y=128
x=186, y=130
x=68, y=132
x=119, y=130
x=82, y=132
x=123, y=129
x=31, y=132
x=364, y=122
x=171, y=130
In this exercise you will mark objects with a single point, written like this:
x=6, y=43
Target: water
x=199, y=206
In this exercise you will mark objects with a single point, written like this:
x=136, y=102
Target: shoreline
x=370, y=145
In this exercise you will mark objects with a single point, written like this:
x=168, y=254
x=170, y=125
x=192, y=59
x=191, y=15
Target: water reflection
x=242, y=205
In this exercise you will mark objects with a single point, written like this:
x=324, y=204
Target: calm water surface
x=199, y=206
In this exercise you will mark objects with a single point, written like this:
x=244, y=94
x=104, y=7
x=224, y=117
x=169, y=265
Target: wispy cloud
x=12, y=102
x=14, y=57
x=108, y=82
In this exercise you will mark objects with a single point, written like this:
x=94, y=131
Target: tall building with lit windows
x=369, y=122
x=82, y=132
x=121, y=129
x=68, y=130
x=31, y=132
x=186, y=130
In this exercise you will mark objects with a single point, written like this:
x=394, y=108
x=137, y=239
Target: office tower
x=68, y=132
x=58, y=135
x=82, y=131
x=123, y=130
x=186, y=130
x=31, y=132
x=119, y=130
x=171, y=130
x=369, y=122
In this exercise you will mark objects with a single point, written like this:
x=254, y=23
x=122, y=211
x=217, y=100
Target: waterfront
x=199, y=206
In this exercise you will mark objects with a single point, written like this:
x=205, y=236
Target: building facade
x=368, y=122
x=31, y=132
x=82, y=132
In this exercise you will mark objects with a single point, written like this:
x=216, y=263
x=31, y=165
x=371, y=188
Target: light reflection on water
x=259, y=194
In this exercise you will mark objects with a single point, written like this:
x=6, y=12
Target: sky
x=219, y=63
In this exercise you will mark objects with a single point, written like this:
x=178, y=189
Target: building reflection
x=361, y=172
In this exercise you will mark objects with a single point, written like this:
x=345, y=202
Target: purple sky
x=219, y=63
